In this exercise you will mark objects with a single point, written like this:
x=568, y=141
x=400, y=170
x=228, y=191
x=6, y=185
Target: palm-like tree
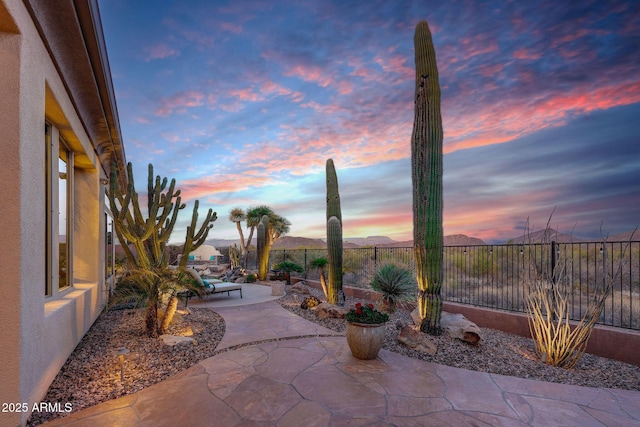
x=236, y=216
x=278, y=225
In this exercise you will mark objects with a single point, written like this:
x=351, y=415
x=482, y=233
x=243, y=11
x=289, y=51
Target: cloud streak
x=246, y=103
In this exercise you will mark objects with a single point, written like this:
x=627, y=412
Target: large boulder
x=415, y=339
x=299, y=288
x=326, y=310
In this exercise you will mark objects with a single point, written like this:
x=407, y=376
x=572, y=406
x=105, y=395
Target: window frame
x=55, y=145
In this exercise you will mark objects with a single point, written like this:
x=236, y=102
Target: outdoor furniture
x=211, y=286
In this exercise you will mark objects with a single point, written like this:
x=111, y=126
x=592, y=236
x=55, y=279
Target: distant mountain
x=370, y=241
x=624, y=237
x=451, y=240
x=462, y=240
x=546, y=236
x=291, y=242
x=224, y=243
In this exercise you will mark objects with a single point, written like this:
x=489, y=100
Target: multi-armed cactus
x=149, y=236
x=193, y=240
x=334, y=235
x=263, y=247
x=426, y=167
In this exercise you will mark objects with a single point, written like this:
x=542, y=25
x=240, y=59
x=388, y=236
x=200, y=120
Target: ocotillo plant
x=334, y=235
x=263, y=247
x=426, y=171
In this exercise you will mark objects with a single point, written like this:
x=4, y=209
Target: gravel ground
x=91, y=375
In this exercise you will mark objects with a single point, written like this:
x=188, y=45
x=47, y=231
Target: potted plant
x=284, y=270
x=395, y=284
x=365, y=331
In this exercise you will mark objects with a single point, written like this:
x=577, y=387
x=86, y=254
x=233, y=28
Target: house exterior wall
x=40, y=331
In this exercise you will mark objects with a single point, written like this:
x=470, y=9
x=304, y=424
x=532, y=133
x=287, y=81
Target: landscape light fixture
x=121, y=352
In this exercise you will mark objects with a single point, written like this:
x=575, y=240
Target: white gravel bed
x=91, y=375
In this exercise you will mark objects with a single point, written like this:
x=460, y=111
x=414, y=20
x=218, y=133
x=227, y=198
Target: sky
x=242, y=102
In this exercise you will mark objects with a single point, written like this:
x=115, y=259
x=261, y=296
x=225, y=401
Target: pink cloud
x=310, y=73
x=512, y=119
x=245, y=95
x=179, y=102
x=231, y=27
x=160, y=51
x=490, y=70
x=526, y=54
x=206, y=187
x=396, y=64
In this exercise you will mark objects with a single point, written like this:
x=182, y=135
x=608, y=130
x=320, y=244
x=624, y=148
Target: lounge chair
x=210, y=286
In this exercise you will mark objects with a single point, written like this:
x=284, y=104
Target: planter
x=364, y=339
x=277, y=288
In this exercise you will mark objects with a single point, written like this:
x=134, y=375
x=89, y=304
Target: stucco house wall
x=53, y=71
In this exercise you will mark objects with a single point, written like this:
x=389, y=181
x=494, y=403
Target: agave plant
x=395, y=284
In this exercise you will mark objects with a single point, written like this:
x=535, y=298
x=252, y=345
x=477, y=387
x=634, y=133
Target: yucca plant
x=395, y=284
x=321, y=263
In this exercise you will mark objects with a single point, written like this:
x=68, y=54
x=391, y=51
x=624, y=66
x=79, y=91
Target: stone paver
x=314, y=381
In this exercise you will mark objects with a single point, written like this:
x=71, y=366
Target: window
x=59, y=212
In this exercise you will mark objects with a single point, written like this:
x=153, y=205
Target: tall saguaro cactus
x=426, y=171
x=334, y=235
x=263, y=247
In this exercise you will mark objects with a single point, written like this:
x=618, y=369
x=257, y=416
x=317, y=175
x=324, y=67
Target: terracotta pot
x=364, y=339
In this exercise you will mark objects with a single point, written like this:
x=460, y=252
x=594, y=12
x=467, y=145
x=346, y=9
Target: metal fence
x=499, y=276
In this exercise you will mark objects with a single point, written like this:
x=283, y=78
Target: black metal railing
x=499, y=276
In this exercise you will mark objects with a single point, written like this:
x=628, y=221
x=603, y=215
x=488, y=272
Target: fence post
x=554, y=260
x=553, y=277
x=375, y=258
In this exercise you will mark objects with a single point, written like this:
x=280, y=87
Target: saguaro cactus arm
x=193, y=240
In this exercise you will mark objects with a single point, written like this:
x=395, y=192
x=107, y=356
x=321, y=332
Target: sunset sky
x=244, y=101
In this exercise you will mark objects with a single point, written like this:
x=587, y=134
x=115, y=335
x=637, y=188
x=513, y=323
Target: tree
x=278, y=225
x=426, y=173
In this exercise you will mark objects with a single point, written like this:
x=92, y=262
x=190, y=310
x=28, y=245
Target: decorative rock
x=326, y=310
x=205, y=272
x=299, y=288
x=173, y=340
x=415, y=316
x=455, y=325
x=460, y=327
x=415, y=340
